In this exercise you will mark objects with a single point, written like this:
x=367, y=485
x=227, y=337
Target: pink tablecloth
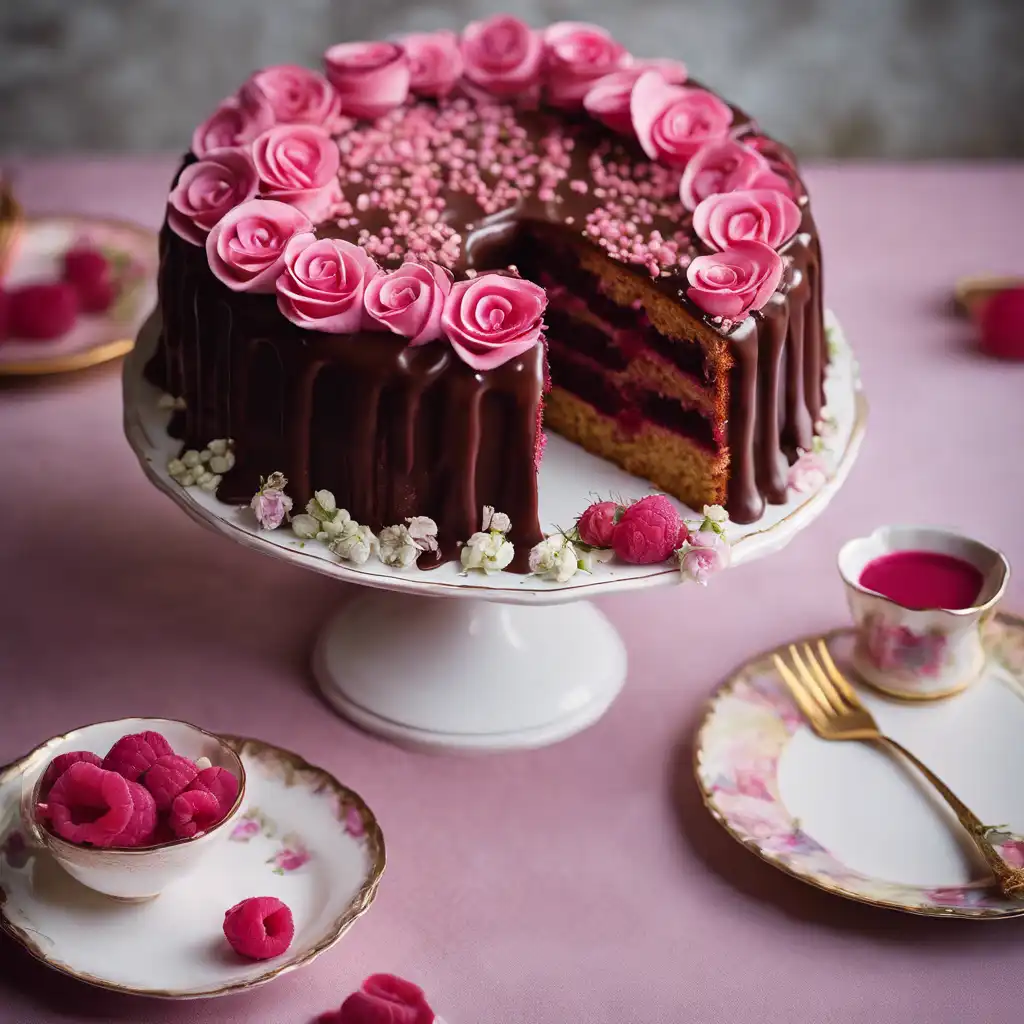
x=581, y=884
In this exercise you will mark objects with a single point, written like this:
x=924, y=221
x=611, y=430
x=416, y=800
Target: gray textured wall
x=882, y=78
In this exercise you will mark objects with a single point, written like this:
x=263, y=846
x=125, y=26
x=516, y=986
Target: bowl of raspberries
x=128, y=807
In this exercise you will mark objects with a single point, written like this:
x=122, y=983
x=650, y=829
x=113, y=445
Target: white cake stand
x=490, y=668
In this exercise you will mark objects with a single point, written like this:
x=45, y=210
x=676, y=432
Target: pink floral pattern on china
x=751, y=720
x=292, y=855
x=898, y=649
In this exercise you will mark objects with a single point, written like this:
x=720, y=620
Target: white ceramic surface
x=301, y=836
x=919, y=654
x=497, y=676
x=855, y=821
x=132, y=873
x=569, y=479
x=94, y=337
x=471, y=679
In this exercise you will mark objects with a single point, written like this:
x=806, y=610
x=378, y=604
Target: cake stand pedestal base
x=469, y=675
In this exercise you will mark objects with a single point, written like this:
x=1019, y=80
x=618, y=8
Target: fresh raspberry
x=260, y=927
x=89, y=805
x=1002, y=324
x=60, y=764
x=132, y=755
x=221, y=783
x=192, y=812
x=141, y=828
x=684, y=536
x=648, y=531
x=383, y=999
x=97, y=297
x=597, y=523
x=84, y=265
x=168, y=776
x=42, y=312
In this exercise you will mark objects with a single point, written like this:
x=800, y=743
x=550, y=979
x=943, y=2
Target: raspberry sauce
x=923, y=579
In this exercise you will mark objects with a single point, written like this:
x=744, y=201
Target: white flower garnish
x=356, y=544
x=332, y=522
x=305, y=526
x=423, y=531
x=397, y=547
x=270, y=504
x=488, y=552
x=716, y=514
x=203, y=468
x=555, y=557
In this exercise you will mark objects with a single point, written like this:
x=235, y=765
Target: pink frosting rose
x=207, y=190
x=246, y=247
x=298, y=164
x=371, y=78
x=577, y=55
x=780, y=171
x=323, y=284
x=733, y=282
x=409, y=301
x=435, y=62
x=493, y=318
x=607, y=99
x=760, y=213
x=503, y=56
x=296, y=95
x=672, y=122
x=724, y=165
x=238, y=120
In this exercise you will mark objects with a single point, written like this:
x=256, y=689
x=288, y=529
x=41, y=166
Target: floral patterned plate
x=132, y=253
x=302, y=836
x=850, y=819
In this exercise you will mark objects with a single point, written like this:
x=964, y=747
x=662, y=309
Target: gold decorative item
x=835, y=712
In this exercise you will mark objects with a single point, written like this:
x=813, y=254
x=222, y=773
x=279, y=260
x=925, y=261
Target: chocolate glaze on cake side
x=397, y=431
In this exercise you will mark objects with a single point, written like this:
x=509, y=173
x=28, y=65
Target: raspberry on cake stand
x=481, y=662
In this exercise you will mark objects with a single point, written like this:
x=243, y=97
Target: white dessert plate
x=302, y=836
x=95, y=338
x=570, y=479
x=852, y=820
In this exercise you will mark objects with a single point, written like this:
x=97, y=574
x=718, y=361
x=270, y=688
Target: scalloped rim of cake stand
x=145, y=429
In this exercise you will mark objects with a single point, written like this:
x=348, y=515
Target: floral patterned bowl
x=142, y=872
x=919, y=654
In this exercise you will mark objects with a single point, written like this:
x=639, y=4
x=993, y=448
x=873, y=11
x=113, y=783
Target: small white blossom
x=339, y=523
x=488, y=552
x=397, y=547
x=356, y=544
x=555, y=557
x=587, y=559
x=211, y=483
x=165, y=402
x=220, y=446
x=176, y=468
x=191, y=458
x=496, y=521
x=222, y=463
x=716, y=514
x=205, y=455
x=325, y=501
x=202, y=763
x=305, y=527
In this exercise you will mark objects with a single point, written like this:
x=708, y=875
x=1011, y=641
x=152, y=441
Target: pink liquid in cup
x=923, y=579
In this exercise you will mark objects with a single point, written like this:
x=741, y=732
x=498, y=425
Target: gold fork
x=836, y=713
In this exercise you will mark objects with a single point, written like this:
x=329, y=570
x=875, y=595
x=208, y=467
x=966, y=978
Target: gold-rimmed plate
x=301, y=836
x=95, y=338
x=855, y=822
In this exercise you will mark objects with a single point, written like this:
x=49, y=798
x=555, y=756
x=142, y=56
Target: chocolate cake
x=674, y=243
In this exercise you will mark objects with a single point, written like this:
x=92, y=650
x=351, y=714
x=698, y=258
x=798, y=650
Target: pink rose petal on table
x=735, y=281
x=502, y=57
x=246, y=248
x=492, y=318
x=576, y=55
x=323, y=284
x=409, y=301
x=208, y=189
x=370, y=77
x=672, y=122
x=435, y=62
x=383, y=999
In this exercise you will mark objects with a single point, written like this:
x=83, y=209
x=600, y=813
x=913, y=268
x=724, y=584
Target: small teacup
x=921, y=652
